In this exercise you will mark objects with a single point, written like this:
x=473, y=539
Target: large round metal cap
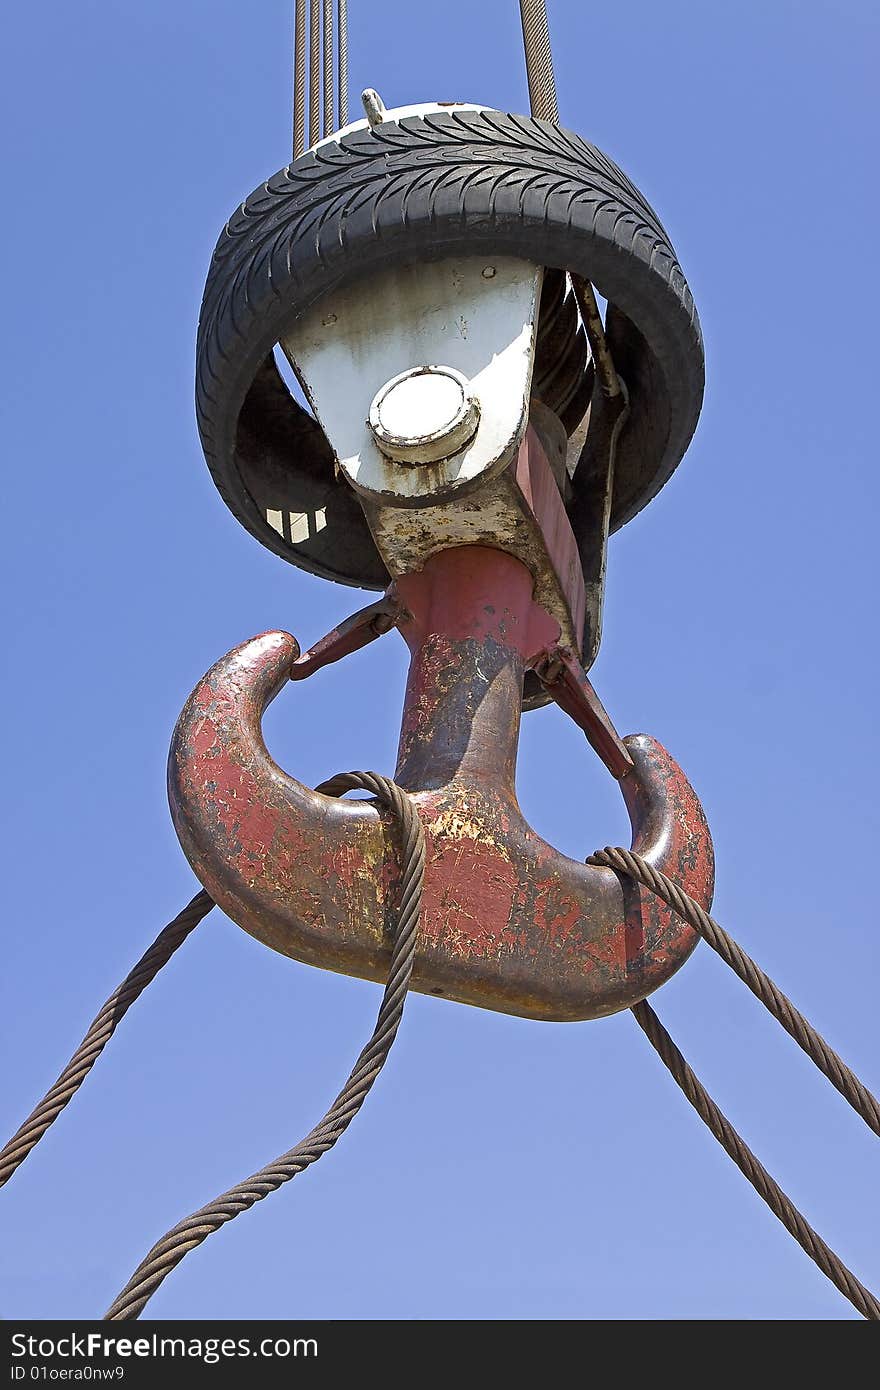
x=424, y=414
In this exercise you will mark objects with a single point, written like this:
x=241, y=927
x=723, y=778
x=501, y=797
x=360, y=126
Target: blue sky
x=501, y=1168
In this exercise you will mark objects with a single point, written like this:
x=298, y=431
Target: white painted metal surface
x=474, y=317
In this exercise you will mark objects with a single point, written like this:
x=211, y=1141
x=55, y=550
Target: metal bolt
x=489, y=272
x=374, y=106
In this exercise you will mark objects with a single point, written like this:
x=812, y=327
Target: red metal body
x=563, y=677
x=508, y=923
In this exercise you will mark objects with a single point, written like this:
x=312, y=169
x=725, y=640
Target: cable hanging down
x=168, y=1252
x=329, y=123
x=318, y=71
x=853, y=1090
x=342, y=26
x=314, y=72
x=101, y=1030
x=299, y=79
x=782, y=1207
x=634, y=866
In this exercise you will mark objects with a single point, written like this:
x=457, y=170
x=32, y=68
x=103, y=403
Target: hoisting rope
x=342, y=25
x=624, y=861
x=320, y=71
x=168, y=1252
x=329, y=122
x=539, y=60
x=765, y=1186
x=299, y=79
x=536, y=42
x=314, y=72
x=99, y=1034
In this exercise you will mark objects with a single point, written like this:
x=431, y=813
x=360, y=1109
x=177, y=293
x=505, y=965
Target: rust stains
x=508, y=922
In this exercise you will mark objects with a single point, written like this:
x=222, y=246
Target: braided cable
x=792, y=1020
x=810, y=1242
x=299, y=80
x=539, y=60
x=314, y=72
x=342, y=31
x=168, y=1252
x=328, y=67
x=101, y=1030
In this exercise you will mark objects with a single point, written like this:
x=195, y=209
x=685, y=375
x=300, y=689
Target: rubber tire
x=450, y=183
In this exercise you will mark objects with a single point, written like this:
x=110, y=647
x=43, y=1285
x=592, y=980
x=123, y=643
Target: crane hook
x=508, y=922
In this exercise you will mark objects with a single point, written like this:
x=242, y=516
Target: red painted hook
x=508, y=922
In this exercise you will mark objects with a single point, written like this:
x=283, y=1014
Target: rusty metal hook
x=508, y=922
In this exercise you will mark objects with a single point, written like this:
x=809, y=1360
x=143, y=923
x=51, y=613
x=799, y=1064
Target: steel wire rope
x=539, y=60
x=767, y=1188
x=634, y=866
x=854, y=1091
x=100, y=1031
x=328, y=68
x=314, y=71
x=299, y=79
x=342, y=27
x=168, y=1252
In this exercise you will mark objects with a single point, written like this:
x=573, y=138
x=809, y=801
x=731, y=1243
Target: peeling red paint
x=508, y=923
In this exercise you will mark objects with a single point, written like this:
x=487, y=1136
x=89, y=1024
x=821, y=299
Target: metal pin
x=374, y=106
